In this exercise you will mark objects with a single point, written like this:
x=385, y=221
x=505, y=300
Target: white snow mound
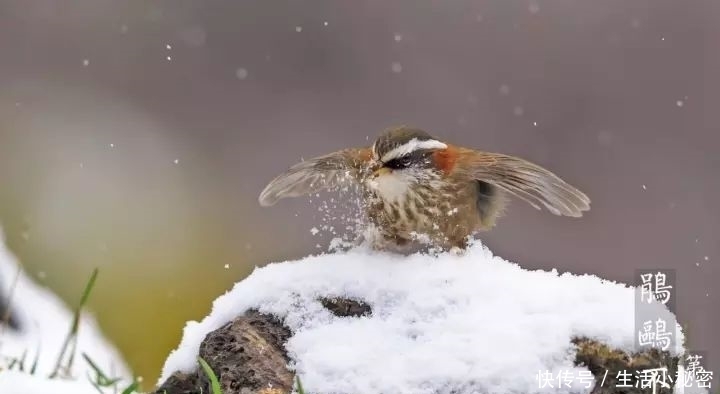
x=472, y=323
x=44, y=322
x=23, y=383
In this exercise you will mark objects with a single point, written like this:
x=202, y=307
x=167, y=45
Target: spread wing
x=319, y=173
x=529, y=182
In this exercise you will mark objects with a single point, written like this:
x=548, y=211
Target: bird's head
x=403, y=157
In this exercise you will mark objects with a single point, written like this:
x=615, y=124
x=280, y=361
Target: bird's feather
x=530, y=182
x=319, y=173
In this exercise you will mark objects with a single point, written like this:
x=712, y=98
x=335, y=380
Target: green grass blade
x=33, y=368
x=131, y=388
x=214, y=383
x=22, y=361
x=70, y=339
x=94, y=367
x=299, y=386
x=97, y=387
x=101, y=378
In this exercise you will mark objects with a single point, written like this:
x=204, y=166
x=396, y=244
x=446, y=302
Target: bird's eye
x=399, y=163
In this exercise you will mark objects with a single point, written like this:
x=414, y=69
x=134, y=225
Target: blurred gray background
x=136, y=136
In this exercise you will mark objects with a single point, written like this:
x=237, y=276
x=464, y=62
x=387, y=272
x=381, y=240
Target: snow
x=241, y=73
x=24, y=383
x=44, y=322
x=438, y=322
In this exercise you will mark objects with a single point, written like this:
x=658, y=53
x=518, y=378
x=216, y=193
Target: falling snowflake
x=241, y=73
x=396, y=67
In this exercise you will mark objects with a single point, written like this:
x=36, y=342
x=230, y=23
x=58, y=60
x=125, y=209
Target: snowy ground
x=24, y=383
x=44, y=322
x=438, y=321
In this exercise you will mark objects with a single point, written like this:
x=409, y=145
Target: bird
x=418, y=189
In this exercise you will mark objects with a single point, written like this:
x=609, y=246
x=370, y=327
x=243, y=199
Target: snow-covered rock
x=40, y=324
x=469, y=323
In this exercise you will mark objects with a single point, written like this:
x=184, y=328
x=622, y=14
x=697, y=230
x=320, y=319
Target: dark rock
x=247, y=355
x=7, y=317
x=180, y=383
x=600, y=358
x=249, y=352
x=343, y=307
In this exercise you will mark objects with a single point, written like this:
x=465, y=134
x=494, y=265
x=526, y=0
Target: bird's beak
x=381, y=171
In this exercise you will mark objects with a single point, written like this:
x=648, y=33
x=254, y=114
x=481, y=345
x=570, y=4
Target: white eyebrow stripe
x=411, y=146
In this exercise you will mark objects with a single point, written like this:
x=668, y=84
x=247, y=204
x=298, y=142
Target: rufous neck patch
x=445, y=159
